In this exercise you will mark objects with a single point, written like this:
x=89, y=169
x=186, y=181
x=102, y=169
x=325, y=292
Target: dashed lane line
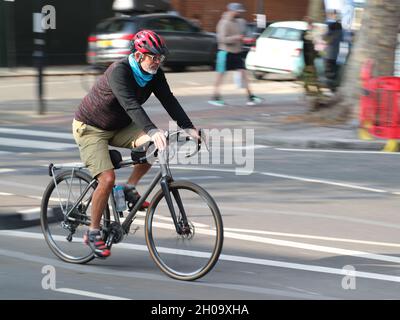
x=248, y=260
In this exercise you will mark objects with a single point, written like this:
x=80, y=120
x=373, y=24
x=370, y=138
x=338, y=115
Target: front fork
x=181, y=226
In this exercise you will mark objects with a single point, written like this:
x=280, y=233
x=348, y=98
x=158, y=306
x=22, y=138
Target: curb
x=344, y=144
x=44, y=75
x=17, y=221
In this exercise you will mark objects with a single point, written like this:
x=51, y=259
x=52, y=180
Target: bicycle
x=183, y=225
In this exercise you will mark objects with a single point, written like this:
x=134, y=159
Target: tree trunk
x=376, y=40
x=316, y=10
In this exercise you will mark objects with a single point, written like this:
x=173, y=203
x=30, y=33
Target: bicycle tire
x=149, y=234
x=45, y=220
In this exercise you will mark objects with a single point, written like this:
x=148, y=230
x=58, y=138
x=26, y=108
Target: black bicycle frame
x=164, y=177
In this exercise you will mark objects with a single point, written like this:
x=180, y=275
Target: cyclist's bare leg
x=138, y=172
x=106, y=181
x=140, y=169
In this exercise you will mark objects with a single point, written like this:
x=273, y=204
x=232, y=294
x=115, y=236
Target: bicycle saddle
x=116, y=158
x=140, y=154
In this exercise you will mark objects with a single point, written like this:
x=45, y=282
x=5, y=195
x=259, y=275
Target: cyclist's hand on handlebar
x=193, y=133
x=158, y=137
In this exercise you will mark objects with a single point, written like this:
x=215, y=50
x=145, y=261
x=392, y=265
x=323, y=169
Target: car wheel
x=258, y=75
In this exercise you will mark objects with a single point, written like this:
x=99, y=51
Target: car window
x=169, y=24
x=182, y=25
x=267, y=32
x=156, y=24
x=113, y=26
x=282, y=33
x=250, y=30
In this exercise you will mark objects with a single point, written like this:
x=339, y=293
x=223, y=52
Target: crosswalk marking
x=37, y=133
x=35, y=144
x=7, y=170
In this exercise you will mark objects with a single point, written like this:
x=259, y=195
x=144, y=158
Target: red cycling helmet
x=147, y=41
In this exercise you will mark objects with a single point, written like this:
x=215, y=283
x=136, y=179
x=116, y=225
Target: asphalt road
x=304, y=224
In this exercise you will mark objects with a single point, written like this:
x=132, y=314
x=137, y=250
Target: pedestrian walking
x=309, y=75
x=229, y=56
x=333, y=37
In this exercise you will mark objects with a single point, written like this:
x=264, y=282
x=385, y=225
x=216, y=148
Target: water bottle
x=119, y=198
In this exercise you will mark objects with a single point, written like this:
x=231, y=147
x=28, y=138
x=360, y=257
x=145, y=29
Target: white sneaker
x=218, y=103
x=253, y=100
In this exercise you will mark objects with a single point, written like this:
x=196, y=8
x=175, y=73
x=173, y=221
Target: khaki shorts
x=93, y=144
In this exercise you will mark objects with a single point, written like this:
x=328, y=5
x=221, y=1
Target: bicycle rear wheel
x=65, y=235
x=191, y=255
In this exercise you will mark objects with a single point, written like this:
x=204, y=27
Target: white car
x=279, y=49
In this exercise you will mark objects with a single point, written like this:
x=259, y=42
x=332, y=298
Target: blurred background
x=77, y=19
x=320, y=177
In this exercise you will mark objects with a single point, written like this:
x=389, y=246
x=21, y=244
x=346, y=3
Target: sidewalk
x=73, y=70
x=309, y=136
x=48, y=71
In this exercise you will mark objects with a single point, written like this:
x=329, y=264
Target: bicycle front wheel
x=192, y=254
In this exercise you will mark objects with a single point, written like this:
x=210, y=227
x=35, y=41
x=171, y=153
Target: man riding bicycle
x=112, y=114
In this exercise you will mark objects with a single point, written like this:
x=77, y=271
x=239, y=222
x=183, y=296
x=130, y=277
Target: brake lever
x=203, y=138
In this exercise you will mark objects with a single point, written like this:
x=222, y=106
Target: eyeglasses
x=156, y=58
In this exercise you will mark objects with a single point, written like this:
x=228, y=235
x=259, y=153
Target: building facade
x=208, y=12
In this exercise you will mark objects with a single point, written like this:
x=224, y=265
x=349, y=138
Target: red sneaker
x=95, y=242
x=132, y=196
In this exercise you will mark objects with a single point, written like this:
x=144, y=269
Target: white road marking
x=285, y=176
x=35, y=210
x=28, y=211
x=151, y=276
x=36, y=197
x=324, y=215
x=251, y=147
x=7, y=170
x=306, y=236
x=33, y=144
x=37, y=133
x=34, y=83
x=198, y=177
x=232, y=258
x=338, y=151
x=6, y=194
x=332, y=183
x=312, y=268
x=169, y=225
x=89, y=294
x=292, y=244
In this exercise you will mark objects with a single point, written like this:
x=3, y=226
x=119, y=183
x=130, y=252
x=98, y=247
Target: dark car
x=187, y=43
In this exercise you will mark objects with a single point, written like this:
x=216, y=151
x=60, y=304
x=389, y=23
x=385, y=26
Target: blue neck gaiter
x=141, y=77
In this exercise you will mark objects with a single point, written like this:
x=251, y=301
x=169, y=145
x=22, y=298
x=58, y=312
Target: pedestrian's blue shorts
x=221, y=61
